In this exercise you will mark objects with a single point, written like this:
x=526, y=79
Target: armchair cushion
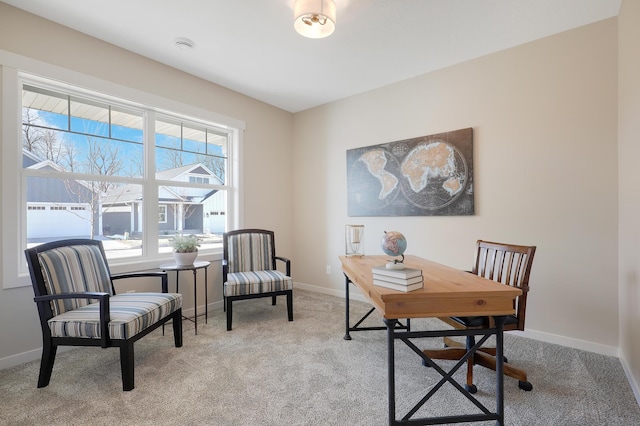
x=131, y=313
x=74, y=269
x=255, y=282
x=250, y=252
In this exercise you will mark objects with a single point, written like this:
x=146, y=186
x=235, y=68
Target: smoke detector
x=184, y=44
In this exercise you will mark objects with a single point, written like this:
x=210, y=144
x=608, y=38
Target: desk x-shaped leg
x=405, y=336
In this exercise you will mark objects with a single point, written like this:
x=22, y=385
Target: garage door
x=56, y=221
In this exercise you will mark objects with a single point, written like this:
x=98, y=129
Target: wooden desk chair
x=510, y=265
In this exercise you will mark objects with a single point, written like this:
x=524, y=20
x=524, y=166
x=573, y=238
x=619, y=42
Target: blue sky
x=127, y=141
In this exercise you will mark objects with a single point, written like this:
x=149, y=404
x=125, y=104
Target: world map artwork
x=425, y=176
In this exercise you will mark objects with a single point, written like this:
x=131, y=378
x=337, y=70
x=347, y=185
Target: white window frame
x=12, y=66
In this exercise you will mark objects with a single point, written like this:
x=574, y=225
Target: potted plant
x=185, y=249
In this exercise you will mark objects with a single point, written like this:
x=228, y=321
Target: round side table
x=198, y=264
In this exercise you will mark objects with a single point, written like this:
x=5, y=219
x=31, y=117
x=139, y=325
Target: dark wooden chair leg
x=290, y=305
x=273, y=300
x=46, y=363
x=229, y=313
x=177, y=328
x=126, y=365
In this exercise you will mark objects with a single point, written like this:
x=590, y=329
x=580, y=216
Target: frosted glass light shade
x=314, y=18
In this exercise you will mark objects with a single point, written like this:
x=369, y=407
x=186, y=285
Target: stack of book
x=407, y=279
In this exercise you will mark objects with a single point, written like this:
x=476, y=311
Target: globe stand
x=396, y=263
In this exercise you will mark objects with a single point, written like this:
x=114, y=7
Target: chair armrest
x=225, y=270
x=161, y=275
x=287, y=263
x=86, y=295
x=103, y=299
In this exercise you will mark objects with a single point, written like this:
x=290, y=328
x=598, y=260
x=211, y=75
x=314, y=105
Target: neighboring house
x=193, y=210
x=54, y=205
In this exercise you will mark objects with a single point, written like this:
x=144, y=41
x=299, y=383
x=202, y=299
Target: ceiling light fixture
x=314, y=18
x=184, y=44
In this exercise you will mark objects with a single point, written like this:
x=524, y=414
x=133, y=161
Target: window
x=162, y=214
x=84, y=156
x=198, y=179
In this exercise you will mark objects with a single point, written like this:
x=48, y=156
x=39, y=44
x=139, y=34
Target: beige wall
x=545, y=155
x=267, y=140
x=629, y=172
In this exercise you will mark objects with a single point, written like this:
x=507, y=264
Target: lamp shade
x=314, y=18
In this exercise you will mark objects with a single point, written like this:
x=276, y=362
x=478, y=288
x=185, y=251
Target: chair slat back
x=249, y=250
x=74, y=269
x=508, y=264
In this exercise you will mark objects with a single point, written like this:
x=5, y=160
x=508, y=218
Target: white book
x=394, y=280
x=397, y=273
x=398, y=287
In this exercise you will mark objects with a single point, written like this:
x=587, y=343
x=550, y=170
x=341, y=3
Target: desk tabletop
x=447, y=291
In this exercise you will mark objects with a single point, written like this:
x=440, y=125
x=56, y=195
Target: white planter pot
x=185, y=259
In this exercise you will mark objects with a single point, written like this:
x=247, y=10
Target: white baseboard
x=18, y=359
x=570, y=342
x=635, y=386
x=212, y=306
x=354, y=293
x=32, y=355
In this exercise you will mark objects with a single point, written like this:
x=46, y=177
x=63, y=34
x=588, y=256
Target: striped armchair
x=78, y=305
x=249, y=269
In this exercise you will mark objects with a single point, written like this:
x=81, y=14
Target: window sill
x=125, y=266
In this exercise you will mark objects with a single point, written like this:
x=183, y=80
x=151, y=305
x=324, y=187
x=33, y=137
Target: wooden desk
x=447, y=292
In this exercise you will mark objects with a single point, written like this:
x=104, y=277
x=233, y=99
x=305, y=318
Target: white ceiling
x=250, y=46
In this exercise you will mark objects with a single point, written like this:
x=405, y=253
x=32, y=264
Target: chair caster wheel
x=471, y=389
x=526, y=386
x=424, y=364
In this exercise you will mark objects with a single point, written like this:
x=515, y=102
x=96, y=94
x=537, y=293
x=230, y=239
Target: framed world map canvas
x=425, y=176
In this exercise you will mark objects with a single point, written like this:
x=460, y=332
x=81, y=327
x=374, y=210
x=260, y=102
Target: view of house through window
x=83, y=162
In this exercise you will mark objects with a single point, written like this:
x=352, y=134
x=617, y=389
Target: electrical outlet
x=328, y=269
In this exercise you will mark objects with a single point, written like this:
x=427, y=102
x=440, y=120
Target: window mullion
x=150, y=187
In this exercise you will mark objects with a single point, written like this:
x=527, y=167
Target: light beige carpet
x=269, y=371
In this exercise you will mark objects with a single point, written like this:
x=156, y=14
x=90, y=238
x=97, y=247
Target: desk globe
x=394, y=244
